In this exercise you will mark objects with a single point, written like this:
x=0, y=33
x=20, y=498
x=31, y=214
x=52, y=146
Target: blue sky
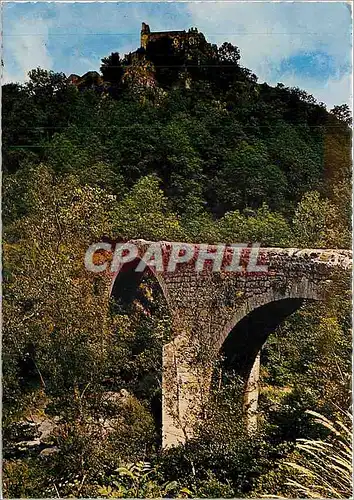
x=304, y=44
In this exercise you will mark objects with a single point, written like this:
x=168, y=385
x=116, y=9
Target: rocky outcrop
x=37, y=435
x=31, y=437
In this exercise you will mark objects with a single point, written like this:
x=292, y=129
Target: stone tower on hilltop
x=148, y=36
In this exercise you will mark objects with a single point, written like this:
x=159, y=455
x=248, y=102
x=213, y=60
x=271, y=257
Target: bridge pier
x=251, y=395
x=185, y=395
x=185, y=391
x=174, y=405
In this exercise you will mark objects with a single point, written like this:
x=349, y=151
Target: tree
x=46, y=287
x=58, y=351
x=228, y=53
x=318, y=223
x=143, y=213
x=21, y=133
x=179, y=143
x=342, y=113
x=260, y=226
x=44, y=83
x=248, y=177
x=112, y=69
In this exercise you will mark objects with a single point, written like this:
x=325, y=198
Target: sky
x=303, y=44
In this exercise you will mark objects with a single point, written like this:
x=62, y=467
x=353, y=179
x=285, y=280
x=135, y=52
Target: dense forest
x=178, y=144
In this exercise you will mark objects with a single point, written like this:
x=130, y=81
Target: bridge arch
x=127, y=280
x=244, y=335
x=125, y=290
x=246, y=338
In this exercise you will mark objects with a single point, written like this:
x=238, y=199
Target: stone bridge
x=222, y=300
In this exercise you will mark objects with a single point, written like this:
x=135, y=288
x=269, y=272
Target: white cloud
x=25, y=48
x=332, y=92
x=269, y=33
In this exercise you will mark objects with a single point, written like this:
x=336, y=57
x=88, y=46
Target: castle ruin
x=177, y=36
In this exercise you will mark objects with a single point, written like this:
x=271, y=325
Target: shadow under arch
x=246, y=339
x=127, y=292
x=126, y=281
x=243, y=337
x=241, y=352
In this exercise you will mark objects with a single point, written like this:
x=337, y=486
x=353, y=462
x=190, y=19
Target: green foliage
x=248, y=177
x=310, y=221
x=313, y=343
x=263, y=226
x=319, y=224
x=111, y=68
x=226, y=141
x=198, y=224
x=143, y=213
x=221, y=458
x=23, y=479
x=46, y=284
x=140, y=480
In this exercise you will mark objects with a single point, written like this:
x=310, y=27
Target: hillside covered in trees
x=177, y=143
